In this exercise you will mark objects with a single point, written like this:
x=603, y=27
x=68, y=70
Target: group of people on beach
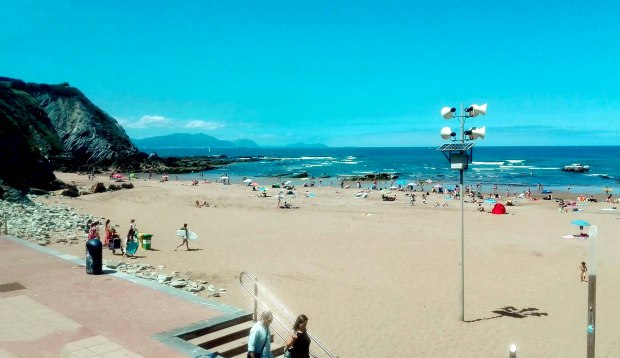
x=112, y=239
x=203, y=205
x=297, y=343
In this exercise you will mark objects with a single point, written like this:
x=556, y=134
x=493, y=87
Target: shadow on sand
x=510, y=311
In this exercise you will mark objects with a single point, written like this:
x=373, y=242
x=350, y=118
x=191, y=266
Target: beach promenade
x=50, y=307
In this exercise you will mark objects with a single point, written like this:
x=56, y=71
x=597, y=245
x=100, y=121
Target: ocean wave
x=315, y=158
x=604, y=176
x=300, y=158
x=487, y=163
x=515, y=160
x=516, y=167
x=349, y=162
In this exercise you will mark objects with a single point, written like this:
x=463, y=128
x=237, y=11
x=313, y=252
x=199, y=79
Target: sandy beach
x=381, y=278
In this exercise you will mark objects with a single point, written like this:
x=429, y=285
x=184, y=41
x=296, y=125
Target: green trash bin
x=146, y=241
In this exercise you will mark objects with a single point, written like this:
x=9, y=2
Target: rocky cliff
x=91, y=138
x=45, y=127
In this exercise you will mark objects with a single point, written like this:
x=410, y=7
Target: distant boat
x=576, y=168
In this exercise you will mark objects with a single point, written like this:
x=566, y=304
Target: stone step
x=216, y=327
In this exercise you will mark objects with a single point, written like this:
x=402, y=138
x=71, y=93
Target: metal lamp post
x=591, y=332
x=459, y=153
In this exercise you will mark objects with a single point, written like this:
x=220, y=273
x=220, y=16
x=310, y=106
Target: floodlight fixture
x=446, y=133
x=448, y=112
x=475, y=133
x=475, y=110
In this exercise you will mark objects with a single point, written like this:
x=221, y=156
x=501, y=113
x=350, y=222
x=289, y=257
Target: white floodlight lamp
x=446, y=133
x=475, y=133
x=475, y=110
x=448, y=112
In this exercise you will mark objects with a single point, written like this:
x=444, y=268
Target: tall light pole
x=459, y=153
x=591, y=332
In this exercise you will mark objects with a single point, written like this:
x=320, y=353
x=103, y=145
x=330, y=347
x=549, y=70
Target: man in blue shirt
x=259, y=342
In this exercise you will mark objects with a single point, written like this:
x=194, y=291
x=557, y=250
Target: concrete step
x=218, y=326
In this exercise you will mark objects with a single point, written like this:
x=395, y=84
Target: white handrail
x=280, y=307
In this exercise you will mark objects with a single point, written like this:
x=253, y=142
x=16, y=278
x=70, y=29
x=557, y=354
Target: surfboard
x=192, y=235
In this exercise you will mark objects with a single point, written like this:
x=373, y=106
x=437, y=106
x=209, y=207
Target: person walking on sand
x=133, y=231
x=583, y=270
x=259, y=342
x=185, y=238
x=412, y=199
x=298, y=343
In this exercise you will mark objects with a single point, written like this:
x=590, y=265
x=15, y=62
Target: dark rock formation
x=98, y=188
x=46, y=127
x=374, y=176
x=27, y=140
x=71, y=191
x=90, y=137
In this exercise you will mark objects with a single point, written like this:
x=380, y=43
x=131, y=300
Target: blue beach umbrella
x=580, y=223
x=490, y=201
x=547, y=191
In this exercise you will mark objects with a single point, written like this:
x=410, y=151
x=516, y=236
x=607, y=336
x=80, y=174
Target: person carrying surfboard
x=184, y=238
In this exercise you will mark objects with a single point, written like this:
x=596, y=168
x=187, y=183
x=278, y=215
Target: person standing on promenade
x=259, y=342
x=93, y=232
x=108, y=233
x=185, y=238
x=298, y=343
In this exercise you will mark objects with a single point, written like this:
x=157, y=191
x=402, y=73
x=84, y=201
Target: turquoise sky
x=342, y=73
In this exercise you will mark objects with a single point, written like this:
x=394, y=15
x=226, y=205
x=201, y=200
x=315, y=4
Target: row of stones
x=173, y=279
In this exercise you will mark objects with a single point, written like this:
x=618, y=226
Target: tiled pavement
x=57, y=310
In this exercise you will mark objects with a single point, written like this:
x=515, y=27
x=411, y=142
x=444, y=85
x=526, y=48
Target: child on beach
x=583, y=269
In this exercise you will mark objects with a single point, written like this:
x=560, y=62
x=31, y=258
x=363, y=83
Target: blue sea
x=517, y=168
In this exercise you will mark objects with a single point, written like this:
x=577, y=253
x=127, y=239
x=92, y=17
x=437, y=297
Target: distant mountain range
x=305, y=145
x=186, y=140
x=201, y=140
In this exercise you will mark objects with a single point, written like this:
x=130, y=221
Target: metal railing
x=257, y=301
